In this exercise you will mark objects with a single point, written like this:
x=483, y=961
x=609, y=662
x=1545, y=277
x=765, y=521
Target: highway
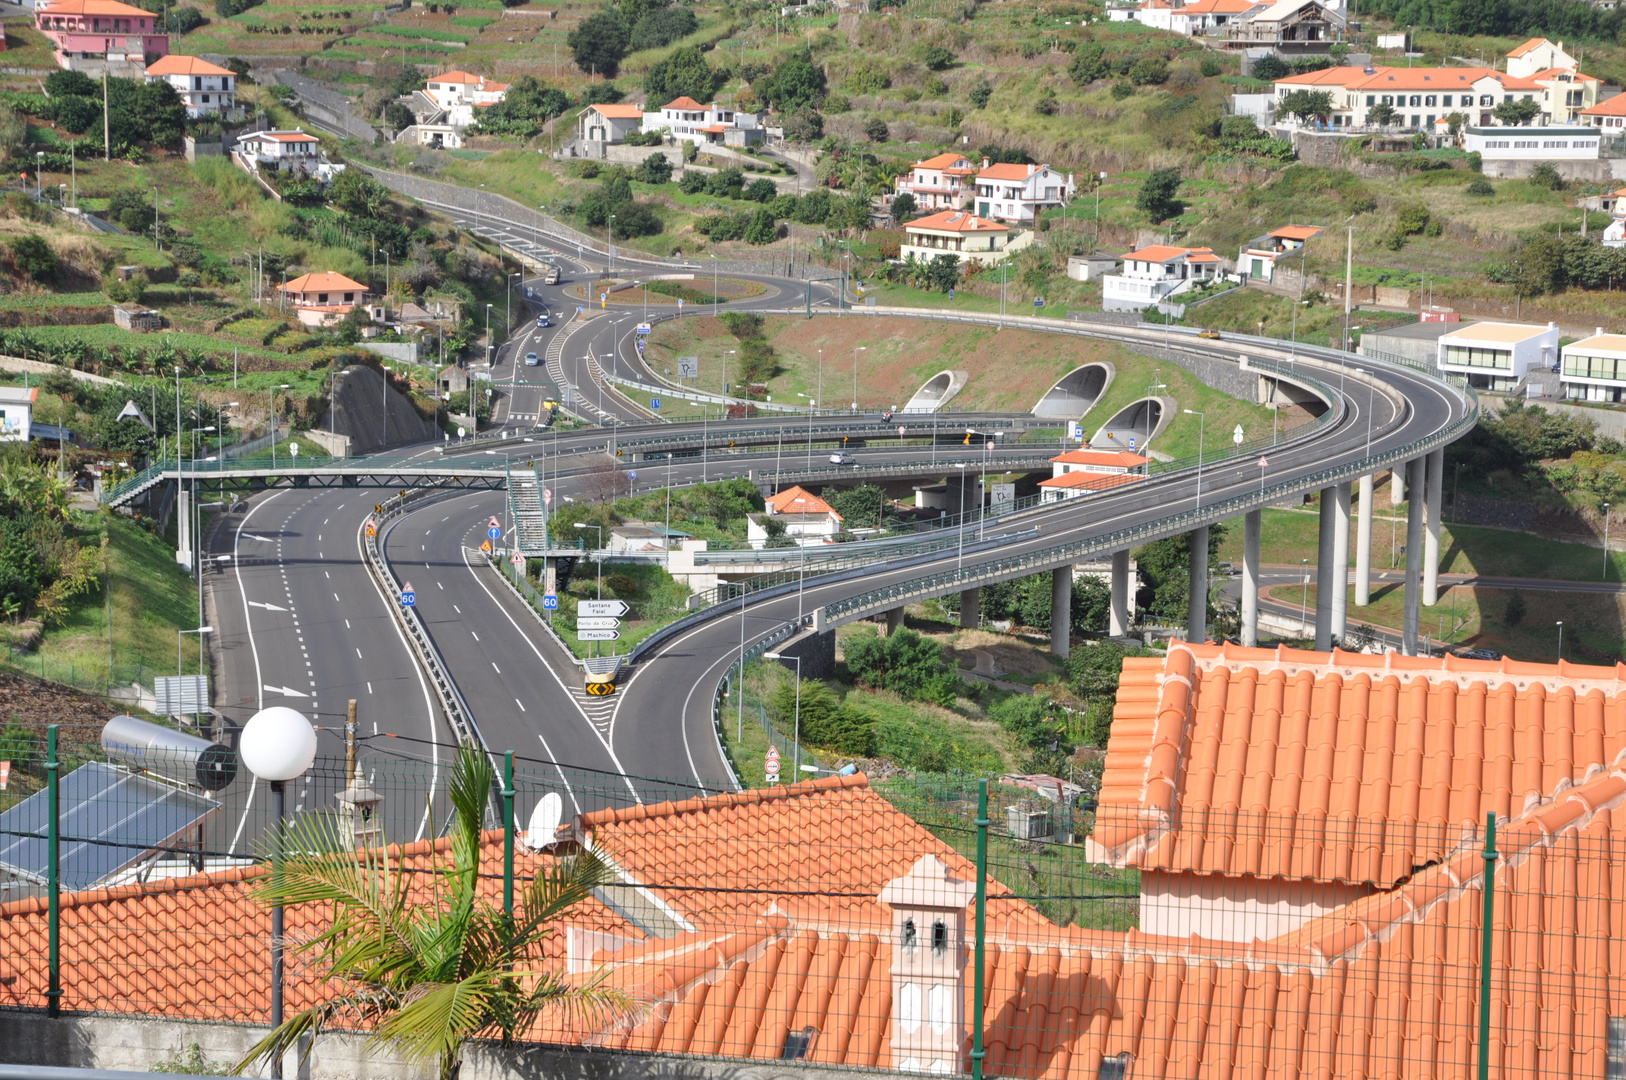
x=524, y=689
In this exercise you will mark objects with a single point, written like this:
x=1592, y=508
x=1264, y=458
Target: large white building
x=954, y=232
x=1020, y=193
x=280, y=150
x=722, y=125
x=1259, y=256
x=1503, y=150
x=459, y=94
x=1083, y=471
x=1496, y=356
x=1154, y=274
x=17, y=412
x=944, y=182
x=1594, y=368
x=204, y=87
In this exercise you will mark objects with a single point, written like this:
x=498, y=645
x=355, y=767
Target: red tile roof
x=620, y=112
x=1162, y=253
x=456, y=77
x=323, y=282
x=95, y=7
x=1090, y=481
x=1008, y=172
x=798, y=500
x=175, y=64
x=688, y=103
x=1114, y=458
x=1615, y=106
x=1387, y=78
x=1533, y=43
x=1299, y=232
x=955, y=221
x=942, y=161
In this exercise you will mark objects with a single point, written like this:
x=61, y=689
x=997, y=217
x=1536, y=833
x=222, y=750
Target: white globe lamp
x=278, y=744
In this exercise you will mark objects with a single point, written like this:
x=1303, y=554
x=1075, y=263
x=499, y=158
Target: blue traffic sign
x=654, y=403
x=632, y=474
x=409, y=598
x=494, y=532
x=550, y=602
x=1038, y=301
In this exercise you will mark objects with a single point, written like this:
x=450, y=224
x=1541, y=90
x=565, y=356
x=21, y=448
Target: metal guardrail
x=451, y=698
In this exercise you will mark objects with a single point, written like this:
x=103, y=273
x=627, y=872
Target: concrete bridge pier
x=1433, y=504
x=1339, y=600
x=1323, y=569
x=1363, y=544
x=1251, y=522
x=1118, y=616
x=1197, y=608
x=968, y=608
x=1414, y=558
x=183, y=525
x=894, y=621
x=1061, y=611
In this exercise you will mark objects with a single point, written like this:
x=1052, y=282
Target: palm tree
x=429, y=973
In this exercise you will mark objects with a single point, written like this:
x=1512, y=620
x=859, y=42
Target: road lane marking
x=248, y=625
x=495, y=668
x=521, y=705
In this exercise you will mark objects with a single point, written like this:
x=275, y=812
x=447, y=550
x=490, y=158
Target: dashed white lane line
x=347, y=624
x=358, y=654
x=336, y=597
x=369, y=688
x=457, y=609
x=476, y=636
x=521, y=705
x=495, y=668
x=438, y=585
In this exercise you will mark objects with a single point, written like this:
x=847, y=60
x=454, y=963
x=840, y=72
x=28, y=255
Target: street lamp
x=1202, y=426
x=609, y=234
x=277, y=744
x=39, y=175
x=797, y=737
x=1561, y=641
x=960, y=560
x=488, y=347
x=1605, y=536
x=856, y=350
x=1304, y=604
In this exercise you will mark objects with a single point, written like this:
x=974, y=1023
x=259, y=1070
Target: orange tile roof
x=175, y=64
x=1553, y=73
x=1387, y=78
x=1533, y=43
x=1299, y=232
x=282, y=136
x=620, y=112
x=456, y=77
x=1615, y=106
x=1333, y=76
x=955, y=221
x=1086, y=456
x=95, y=7
x=684, y=103
x=323, y=282
x=1162, y=253
x=1089, y=480
x=1008, y=172
x=941, y=161
x=1343, y=767
x=798, y=500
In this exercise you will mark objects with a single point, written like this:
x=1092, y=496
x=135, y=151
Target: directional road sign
x=598, y=623
x=409, y=596
x=597, y=635
x=550, y=602
x=494, y=532
x=600, y=689
x=654, y=403
x=590, y=608
x=632, y=474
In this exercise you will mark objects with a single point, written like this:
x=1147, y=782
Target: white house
x=323, y=298
x=1155, y=273
x=1609, y=115
x=280, y=150
x=1258, y=256
x=955, y=232
x=17, y=412
x=1496, y=356
x=807, y=518
x=459, y=94
x=944, y=182
x=1020, y=193
x=1553, y=144
x=204, y=87
x=1614, y=235
x=1083, y=471
x=609, y=123
x=721, y=125
x=1594, y=368
x=1196, y=19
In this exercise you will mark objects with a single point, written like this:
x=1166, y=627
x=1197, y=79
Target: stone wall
x=372, y=417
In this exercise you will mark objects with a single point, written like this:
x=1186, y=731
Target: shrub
x=656, y=169
x=1544, y=175
x=1269, y=68
x=875, y=130
x=1480, y=186
x=1211, y=66
x=1046, y=104
x=980, y=94
x=1412, y=218
x=909, y=665
x=1149, y=71
x=33, y=256
x=1121, y=90
x=1157, y=195
x=761, y=191
x=937, y=58
x=819, y=717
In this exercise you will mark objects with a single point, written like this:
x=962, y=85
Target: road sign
x=409, y=597
x=181, y=695
x=1237, y=436
x=644, y=328
x=547, y=496
x=770, y=765
x=550, y=602
x=597, y=623
x=1076, y=430
x=597, y=635
x=654, y=403
x=590, y=608
x=494, y=532
x=1263, y=463
x=688, y=367
x=900, y=429
x=1038, y=301
x=951, y=292
x=600, y=689
x=517, y=559
x=372, y=530
x=5, y=774
x=1131, y=442
x=632, y=474
x=485, y=545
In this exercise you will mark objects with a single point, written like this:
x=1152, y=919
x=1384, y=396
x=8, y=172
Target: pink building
x=89, y=33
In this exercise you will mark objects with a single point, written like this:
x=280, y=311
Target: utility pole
x=1349, y=277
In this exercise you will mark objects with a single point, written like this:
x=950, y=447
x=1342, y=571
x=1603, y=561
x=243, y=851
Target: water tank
x=168, y=752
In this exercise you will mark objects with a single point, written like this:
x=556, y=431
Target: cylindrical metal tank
x=168, y=752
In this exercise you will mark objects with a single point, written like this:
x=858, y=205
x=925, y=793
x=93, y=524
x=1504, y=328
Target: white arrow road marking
x=268, y=607
x=286, y=691
x=252, y=536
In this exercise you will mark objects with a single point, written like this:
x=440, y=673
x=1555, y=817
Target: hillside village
x=1177, y=808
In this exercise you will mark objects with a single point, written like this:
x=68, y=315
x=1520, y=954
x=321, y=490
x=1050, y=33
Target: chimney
x=985, y=163
x=928, y=967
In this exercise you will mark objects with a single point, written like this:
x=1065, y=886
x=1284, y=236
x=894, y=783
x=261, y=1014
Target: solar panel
x=111, y=818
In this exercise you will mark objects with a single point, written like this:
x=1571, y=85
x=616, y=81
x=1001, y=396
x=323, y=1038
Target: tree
x=903, y=206
x=943, y=272
x=1545, y=175
x=1517, y=113
x=761, y=190
x=356, y=193
x=1269, y=68
x=397, y=117
x=429, y=968
x=875, y=129
x=183, y=20
x=803, y=125
x=1149, y=71
x=980, y=94
x=909, y=665
x=656, y=169
x=683, y=74
x=33, y=256
x=528, y=105
x=1306, y=105
x=937, y=58
x=1382, y=115
x=1157, y=195
x=71, y=84
x=762, y=229
x=76, y=114
x=1089, y=63
x=599, y=43
x=797, y=83
x=663, y=26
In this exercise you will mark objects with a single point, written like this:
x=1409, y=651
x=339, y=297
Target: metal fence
x=1320, y=942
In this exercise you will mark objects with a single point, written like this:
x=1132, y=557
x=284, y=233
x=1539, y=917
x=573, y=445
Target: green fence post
x=977, y=1052
x=508, y=833
x=53, y=871
x=1486, y=932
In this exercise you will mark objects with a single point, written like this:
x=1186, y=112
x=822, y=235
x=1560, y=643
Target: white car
x=839, y=458
x=531, y=360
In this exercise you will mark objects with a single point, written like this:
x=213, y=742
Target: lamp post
x=856, y=350
x=489, y=350
x=1304, y=604
x=1202, y=427
x=609, y=234
x=1560, y=640
x=39, y=175
x=274, y=389
x=277, y=744
x=713, y=284
x=797, y=737
x=959, y=561
x=1605, y=535
x=1097, y=242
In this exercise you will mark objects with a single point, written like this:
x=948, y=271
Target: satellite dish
x=545, y=821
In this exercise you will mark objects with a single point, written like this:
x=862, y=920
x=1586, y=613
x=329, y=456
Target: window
x=1388, y=99
x=939, y=937
x=1475, y=357
x=1117, y=1066
x=798, y=1044
x=1446, y=101
x=1615, y=1068
x=910, y=935
x=1486, y=100
x=1429, y=101
x=1416, y=100
x=1372, y=99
